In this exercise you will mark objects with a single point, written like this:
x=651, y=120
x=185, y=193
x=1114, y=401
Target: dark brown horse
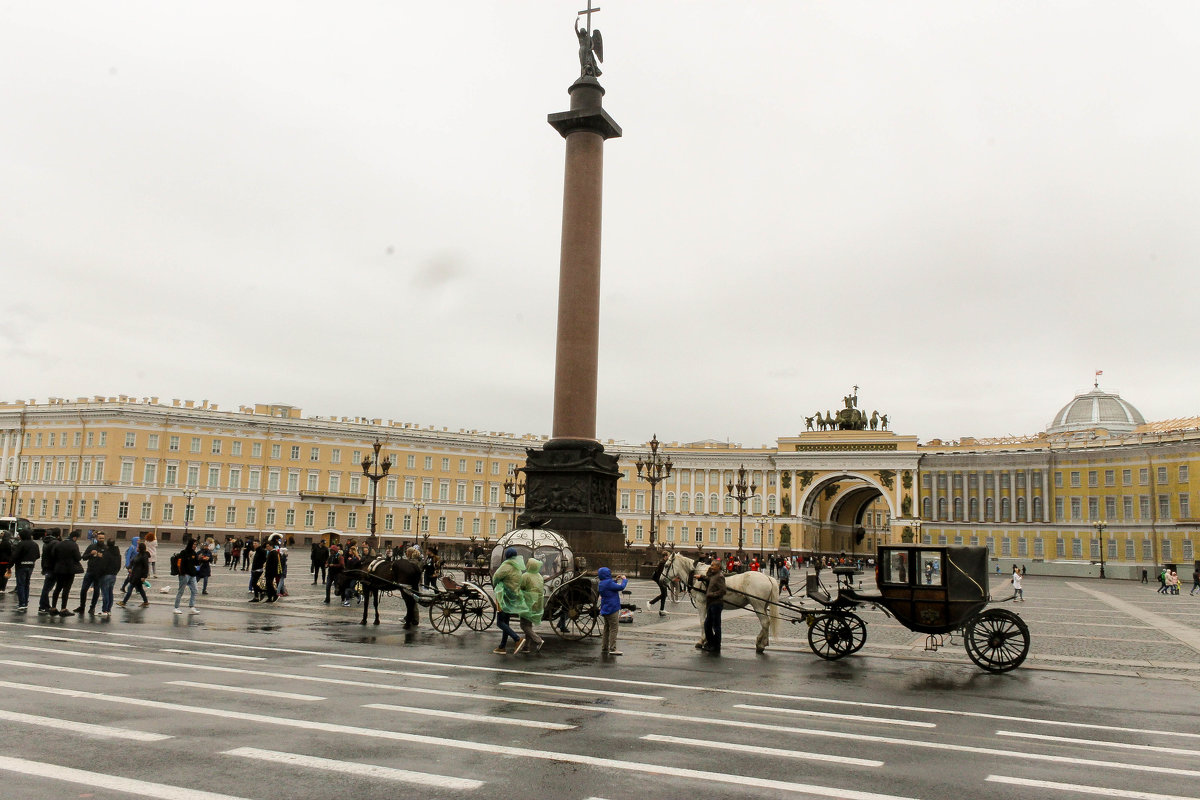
x=387, y=576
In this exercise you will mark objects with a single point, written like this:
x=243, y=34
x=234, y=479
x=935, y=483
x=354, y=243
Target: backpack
x=176, y=563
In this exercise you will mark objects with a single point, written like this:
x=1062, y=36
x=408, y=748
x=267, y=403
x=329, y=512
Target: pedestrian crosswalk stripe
x=100, y=780
x=578, y=690
x=843, y=717
x=763, y=751
x=1075, y=788
x=85, y=728
x=55, y=668
x=462, y=715
x=355, y=768
x=216, y=687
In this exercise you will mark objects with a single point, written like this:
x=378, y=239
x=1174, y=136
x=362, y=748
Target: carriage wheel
x=997, y=640
x=445, y=615
x=478, y=612
x=579, y=619
x=833, y=636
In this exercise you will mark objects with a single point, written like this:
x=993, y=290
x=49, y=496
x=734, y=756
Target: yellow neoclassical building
x=129, y=466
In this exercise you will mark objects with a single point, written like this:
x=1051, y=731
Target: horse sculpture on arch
x=755, y=590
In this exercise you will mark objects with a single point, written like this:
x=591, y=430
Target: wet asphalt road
x=299, y=701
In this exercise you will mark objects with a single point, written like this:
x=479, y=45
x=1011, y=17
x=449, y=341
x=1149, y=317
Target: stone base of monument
x=571, y=488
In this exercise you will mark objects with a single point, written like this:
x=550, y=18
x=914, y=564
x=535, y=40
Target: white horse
x=755, y=590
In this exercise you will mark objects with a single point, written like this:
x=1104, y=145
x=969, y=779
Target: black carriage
x=940, y=591
x=458, y=603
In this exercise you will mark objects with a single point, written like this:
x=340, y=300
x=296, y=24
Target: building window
x=210, y=513
x=389, y=522
x=130, y=440
x=1162, y=474
x=235, y=448
x=122, y=509
x=1110, y=477
x=251, y=515
x=1005, y=510
x=1164, y=506
x=231, y=516
x=1058, y=480
x=1077, y=548
x=989, y=509
x=1005, y=547
x=1185, y=509
x=194, y=445
x=926, y=508
x=1021, y=510
x=352, y=520
x=1076, y=509
x=973, y=507
x=1075, y=479
x=1037, y=508
x=1187, y=550
x=289, y=518
x=1183, y=473
x=295, y=452
x=1093, y=508
x=1039, y=548
x=1129, y=550
x=309, y=518
x=270, y=517
x=1166, y=549
x=256, y=450
x=1144, y=476
x=314, y=454
x=1093, y=478
x=216, y=447
x=147, y=509
x=168, y=512
x=1127, y=477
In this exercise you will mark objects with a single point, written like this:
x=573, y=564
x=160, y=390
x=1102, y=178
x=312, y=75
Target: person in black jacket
x=256, y=571
x=6, y=560
x=68, y=562
x=91, y=573
x=272, y=570
x=49, y=542
x=187, y=561
x=25, y=555
x=337, y=563
x=320, y=558
x=110, y=567
x=139, y=570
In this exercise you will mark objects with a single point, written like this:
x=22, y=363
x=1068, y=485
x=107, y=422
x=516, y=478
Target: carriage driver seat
x=814, y=589
x=450, y=584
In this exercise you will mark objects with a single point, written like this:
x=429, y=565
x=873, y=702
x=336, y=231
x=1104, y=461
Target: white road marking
x=354, y=768
x=604, y=764
x=763, y=751
x=85, y=728
x=75, y=641
x=211, y=655
x=654, y=684
x=434, y=712
x=79, y=670
x=834, y=715
x=1101, y=743
x=574, y=689
x=216, y=687
x=1078, y=789
x=353, y=668
x=99, y=780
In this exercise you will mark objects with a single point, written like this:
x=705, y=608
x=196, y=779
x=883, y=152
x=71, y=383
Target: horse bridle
x=691, y=578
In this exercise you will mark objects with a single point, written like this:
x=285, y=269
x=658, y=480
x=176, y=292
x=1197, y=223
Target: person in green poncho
x=533, y=592
x=507, y=583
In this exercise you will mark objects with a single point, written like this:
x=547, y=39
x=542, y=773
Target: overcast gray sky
x=963, y=207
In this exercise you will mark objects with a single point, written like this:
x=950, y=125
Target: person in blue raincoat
x=610, y=609
x=507, y=583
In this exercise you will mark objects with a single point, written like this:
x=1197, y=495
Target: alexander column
x=571, y=482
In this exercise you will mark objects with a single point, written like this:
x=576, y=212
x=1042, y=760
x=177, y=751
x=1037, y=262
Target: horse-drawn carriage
x=572, y=598
x=939, y=591
x=448, y=608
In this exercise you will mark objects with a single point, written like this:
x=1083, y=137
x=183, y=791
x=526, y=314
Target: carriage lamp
x=741, y=492
x=653, y=469
x=1100, y=526
x=514, y=487
x=375, y=470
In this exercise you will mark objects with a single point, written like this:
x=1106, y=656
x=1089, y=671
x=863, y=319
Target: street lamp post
x=741, y=492
x=418, y=508
x=1100, y=526
x=375, y=470
x=514, y=487
x=189, y=495
x=653, y=469
x=13, y=486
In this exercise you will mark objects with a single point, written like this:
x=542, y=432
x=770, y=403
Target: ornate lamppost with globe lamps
x=653, y=469
x=1100, y=526
x=514, y=488
x=189, y=495
x=375, y=470
x=741, y=491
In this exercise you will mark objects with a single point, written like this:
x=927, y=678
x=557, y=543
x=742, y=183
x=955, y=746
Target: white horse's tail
x=774, y=608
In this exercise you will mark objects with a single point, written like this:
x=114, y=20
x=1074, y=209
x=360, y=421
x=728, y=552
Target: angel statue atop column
x=591, y=50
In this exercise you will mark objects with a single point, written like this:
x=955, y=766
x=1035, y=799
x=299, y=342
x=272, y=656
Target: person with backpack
x=256, y=572
x=336, y=562
x=183, y=565
x=138, y=570
x=204, y=560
